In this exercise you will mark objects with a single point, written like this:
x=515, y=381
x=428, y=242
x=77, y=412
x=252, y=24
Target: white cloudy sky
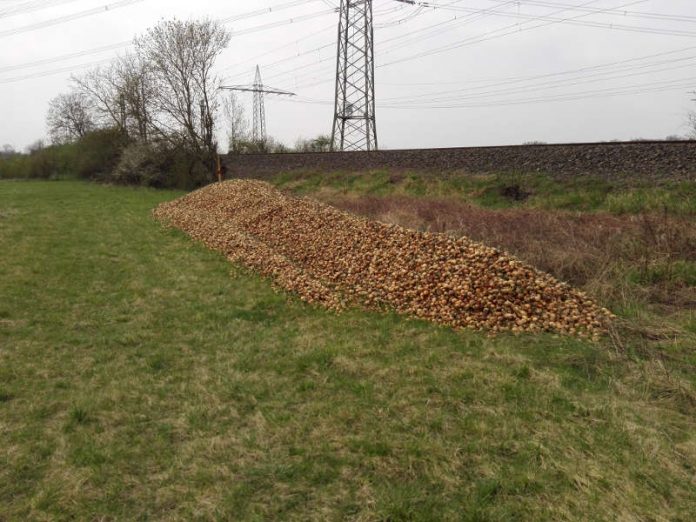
x=474, y=72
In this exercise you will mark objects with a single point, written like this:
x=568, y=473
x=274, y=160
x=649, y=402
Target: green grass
x=623, y=195
x=683, y=273
x=143, y=377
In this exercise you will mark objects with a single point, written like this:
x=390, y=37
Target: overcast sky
x=475, y=72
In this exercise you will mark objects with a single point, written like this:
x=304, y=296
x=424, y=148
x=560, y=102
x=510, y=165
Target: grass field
x=143, y=377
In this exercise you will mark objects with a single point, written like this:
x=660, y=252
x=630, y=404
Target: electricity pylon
x=259, y=126
x=258, y=131
x=354, y=125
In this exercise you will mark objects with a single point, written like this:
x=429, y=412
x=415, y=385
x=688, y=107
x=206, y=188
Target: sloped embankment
x=331, y=257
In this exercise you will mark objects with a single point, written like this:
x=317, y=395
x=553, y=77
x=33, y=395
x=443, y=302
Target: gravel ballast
x=335, y=259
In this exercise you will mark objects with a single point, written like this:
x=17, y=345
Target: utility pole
x=354, y=125
x=259, y=90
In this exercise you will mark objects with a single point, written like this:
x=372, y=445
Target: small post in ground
x=218, y=170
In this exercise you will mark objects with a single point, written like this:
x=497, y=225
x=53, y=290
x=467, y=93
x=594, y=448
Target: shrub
x=141, y=164
x=160, y=166
x=188, y=170
x=97, y=154
x=319, y=144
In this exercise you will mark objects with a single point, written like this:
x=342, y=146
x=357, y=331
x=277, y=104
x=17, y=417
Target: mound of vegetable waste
x=333, y=258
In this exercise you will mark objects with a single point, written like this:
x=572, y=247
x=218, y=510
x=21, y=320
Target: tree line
x=148, y=117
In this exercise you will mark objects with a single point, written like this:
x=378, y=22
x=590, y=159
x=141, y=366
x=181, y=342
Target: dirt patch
x=334, y=258
x=514, y=193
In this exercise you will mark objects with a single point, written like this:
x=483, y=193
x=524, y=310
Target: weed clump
x=334, y=258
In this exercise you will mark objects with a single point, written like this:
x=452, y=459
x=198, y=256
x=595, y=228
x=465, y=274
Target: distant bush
x=319, y=144
x=268, y=146
x=91, y=157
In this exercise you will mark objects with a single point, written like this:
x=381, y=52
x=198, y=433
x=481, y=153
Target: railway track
x=652, y=159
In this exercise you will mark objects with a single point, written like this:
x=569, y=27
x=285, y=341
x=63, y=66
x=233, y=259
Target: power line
x=477, y=13
x=495, y=34
x=619, y=12
x=316, y=49
x=467, y=19
x=645, y=88
x=535, y=88
x=601, y=25
x=123, y=44
x=265, y=10
x=547, y=75
x=273, y=25
x=63, y=57
x=43, y=74
x=455, y=23
x=68, y=18
x=456, y=98
x=279, y=48
x=40, y=74
x=615, y=11
x=36, y=5
x=597, y=76
x=473, y=41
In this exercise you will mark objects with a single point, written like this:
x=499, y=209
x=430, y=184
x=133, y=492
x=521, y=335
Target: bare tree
x=100, y=86
x=136, y=91
x=237, y=125
x=120, y=94
x=70, y=117
x=691, y=119
x=181, y=56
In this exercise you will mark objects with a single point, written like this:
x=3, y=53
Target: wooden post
x=219, y=169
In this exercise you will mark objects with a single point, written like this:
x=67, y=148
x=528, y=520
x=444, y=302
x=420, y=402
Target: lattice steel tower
x=258, y=130
x=354, y=126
